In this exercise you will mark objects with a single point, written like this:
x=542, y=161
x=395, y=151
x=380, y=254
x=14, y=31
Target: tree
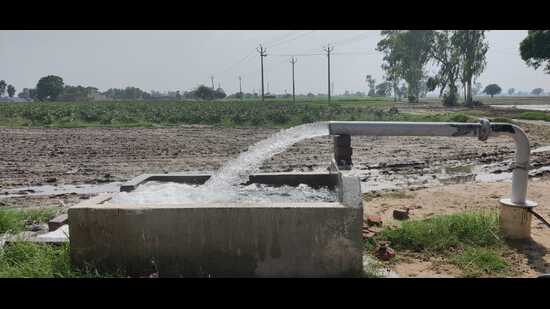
x=406, y=52
x=220, y=93
x=537, y=91
x=371, y=83
x=492, y=89
x=511, y=91
x=383, y=89
x=443, y=53
x=535, y=49
x=471, y=47
x=76, y=93
x=204, y=93
x=2, y=87
x=49, y=88
x=11, y=91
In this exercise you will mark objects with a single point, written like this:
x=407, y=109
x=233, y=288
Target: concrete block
x=221, y=239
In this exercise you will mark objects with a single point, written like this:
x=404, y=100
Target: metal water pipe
x=515, y=215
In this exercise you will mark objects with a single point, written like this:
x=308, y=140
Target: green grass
x=472, y=241
x=476, y=262
x=31, y=260
x=441, y=233
x=534, y=116
x=227, y=113
x=13, y=221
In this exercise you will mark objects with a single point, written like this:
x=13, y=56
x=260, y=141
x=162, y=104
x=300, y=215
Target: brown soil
x=91, y=155
x=529, y=259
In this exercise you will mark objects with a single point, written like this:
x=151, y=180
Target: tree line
x=459, y=57
x=52, y=88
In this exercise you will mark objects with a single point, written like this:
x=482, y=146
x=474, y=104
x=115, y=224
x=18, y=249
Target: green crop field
x=236, y=113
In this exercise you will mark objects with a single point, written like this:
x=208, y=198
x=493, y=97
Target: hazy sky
x=181, y=60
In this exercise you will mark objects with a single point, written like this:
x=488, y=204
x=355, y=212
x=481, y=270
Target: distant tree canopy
x=128, y=93
x=406, y=52
x=49, y=88
x=459, y=54
x=77, y=93
x=492, y=89
x=371, y=83
x=11, y=91
x=537, y=91
x=2, y=87
x=384, y=89
x=206, y=93
x=511, y=91
x=535, y=49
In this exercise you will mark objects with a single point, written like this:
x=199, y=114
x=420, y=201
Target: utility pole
x=328, y=50
x=293, y=61
x=240, y=88
x=267, y=87
x=263, y=54
x=212, y=79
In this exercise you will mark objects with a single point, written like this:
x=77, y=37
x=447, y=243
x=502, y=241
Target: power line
x=292, y=39
x=350, y=38
x=285, y=37
x=290, y=55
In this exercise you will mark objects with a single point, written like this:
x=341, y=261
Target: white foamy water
x=179, y=193
x=225, y=184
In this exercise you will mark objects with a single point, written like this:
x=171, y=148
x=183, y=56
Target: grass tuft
x=13, y=220
x=476, y=262
x=32, y=260
x=441, y=233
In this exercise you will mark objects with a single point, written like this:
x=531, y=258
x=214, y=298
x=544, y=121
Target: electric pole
x=328, y=50
x=212, y=79
x=240, y=88
x=263, y=54
x=293, y=61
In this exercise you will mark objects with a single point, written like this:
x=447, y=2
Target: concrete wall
x=279, y=239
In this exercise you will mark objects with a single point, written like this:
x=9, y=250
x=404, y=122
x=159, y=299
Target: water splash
x=226, y=184
x=236, y=171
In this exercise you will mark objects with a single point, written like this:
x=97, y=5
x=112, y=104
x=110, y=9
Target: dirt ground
x=531, y=258
x=95, y=155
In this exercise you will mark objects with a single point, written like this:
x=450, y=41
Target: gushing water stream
x=237, y=171
x=225, y=184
